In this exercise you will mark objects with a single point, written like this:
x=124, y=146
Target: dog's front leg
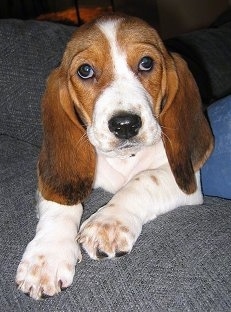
x=48, y=263
x=114, y=228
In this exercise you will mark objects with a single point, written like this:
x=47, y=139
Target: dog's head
x=116, y=91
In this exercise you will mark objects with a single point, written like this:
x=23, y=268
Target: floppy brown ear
x=186, y=133
x=67, y=160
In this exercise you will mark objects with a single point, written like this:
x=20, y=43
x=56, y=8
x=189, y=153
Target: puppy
x=124, y=114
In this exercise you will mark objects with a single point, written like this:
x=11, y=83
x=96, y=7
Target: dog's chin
x=124, y=150
x=122, y=154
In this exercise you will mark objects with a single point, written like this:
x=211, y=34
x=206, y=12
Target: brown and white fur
x=124, y=114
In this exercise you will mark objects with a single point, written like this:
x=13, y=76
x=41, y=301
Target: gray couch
x=181, y=261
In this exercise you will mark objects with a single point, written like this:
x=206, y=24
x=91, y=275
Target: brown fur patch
x=35, y=270
x=154, y=179
x=67, y=163
x=84, y=92
x=45, y=280
x=124, y=228
x=187, y=136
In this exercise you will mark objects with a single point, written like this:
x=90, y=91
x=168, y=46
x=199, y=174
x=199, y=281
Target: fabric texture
x=216, y=174
x=29, y=51
x=181, y=261
x=208, y=54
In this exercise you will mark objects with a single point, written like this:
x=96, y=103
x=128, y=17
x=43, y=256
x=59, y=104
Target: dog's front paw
x=105, y=235
x=47, y=267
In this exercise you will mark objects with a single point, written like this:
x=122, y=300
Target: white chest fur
x=112, y=173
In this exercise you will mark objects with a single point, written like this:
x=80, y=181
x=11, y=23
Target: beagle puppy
x=123, y=114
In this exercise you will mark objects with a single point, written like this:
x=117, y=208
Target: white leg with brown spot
x=113, y=229
x=48, y=263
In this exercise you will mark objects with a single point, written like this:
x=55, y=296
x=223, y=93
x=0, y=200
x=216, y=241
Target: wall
x=31, y=8
x=146, y=9
x=178, y=16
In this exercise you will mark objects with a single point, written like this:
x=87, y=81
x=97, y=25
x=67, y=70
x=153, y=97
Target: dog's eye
x=145, y=64
x=85, y=71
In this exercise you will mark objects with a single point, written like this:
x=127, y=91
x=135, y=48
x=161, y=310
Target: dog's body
x=119, y=113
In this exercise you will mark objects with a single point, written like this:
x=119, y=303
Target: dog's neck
x=114, y=172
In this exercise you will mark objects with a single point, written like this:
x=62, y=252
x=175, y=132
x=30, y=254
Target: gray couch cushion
x=208, y=53
x=28, y=52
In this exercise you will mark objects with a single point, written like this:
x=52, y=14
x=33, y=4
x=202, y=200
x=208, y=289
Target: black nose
x=125, y=126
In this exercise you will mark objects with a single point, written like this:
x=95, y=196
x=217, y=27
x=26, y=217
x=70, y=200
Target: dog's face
x=116, y=91
x=115, y=78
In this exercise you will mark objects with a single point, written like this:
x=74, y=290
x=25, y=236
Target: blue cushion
x=216, y=174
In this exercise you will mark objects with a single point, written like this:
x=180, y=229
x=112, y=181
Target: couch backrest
x=29, y=50
x=208, y=54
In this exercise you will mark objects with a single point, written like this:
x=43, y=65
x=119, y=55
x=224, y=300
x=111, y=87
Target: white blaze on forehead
x=125, y=88
x=109, y=29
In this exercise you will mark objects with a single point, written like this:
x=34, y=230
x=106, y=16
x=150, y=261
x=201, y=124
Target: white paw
x=105, y=235
x=47, y=266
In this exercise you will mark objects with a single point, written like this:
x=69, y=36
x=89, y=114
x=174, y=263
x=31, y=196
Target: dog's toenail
x=101, y=254
x=120, y=253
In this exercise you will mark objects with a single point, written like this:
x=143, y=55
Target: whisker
x=169, y=128
x=83, y=140
x=167, y=137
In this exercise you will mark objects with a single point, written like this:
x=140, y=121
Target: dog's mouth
x=127, y=145
x=124, y=149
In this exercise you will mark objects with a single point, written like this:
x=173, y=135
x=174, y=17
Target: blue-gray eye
x=85, y=71
x=145, y=64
